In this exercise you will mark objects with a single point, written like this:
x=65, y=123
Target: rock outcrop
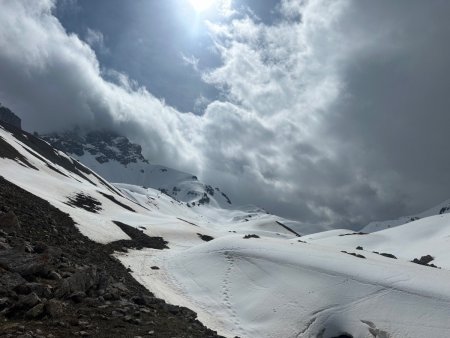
x=9, y=117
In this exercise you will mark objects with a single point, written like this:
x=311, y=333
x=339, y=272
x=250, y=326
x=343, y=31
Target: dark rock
x=4, y=245
x=82, y=281
x=354, y=233
x=9, y=222
x=78, y=296
x=28, y=247
x=132, y=320
x=40, y=247
x=359, y=248
x=54, y=275
x=143, y=300
x=9, y=281
x=92, y=302
x=154, y=267
x=139, y=239
x=35, y=312
x=85, y=202
x=54, y=308
x=6, y=115
x=4, y=302
x=26, y=335
x=25, y=264
x=388, y=255
x=83, y=323
x=119, y=286
x=23, y=289
x=205, y=238
x=251, y=236
x=41, y=289
x=28, y=301
x=353, y=254
x=426, y=259
x=112, y=295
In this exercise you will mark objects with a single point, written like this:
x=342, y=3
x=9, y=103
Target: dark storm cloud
x=335, y=112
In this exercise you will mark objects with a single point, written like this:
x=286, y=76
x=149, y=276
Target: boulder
x=82, y=280
x=25, y=264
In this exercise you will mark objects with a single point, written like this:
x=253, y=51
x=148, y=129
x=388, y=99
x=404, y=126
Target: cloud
x=191, y=61
x=334, y=113
x=96, y=40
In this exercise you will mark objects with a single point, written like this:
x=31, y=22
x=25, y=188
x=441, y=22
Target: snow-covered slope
x=245, y=272
x=118, y=160
x=35, y=166
x=427, y=236
x=439, y=209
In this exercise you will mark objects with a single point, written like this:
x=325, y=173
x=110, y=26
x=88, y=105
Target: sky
x=325, y=111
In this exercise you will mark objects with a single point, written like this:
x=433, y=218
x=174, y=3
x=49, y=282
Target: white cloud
x=191, y=61
x=96, y=40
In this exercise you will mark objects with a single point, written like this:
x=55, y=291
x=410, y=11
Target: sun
x=201, y=5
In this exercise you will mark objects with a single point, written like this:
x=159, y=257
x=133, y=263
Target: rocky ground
x=54, y=282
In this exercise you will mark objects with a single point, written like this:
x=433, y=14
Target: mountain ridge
x=121, y=161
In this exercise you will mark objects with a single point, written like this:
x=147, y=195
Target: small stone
x=116, y=314
x=120, y=286
x=35, y=312
x=83, y=323
x=28, y=301
x=26, y=335
x=28, y=247
x=77, y=297
x=54, y=308
x=54, y=275
x=40, y=247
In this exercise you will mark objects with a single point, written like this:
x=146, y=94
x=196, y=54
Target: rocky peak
x=105, y=145
x=6, y=115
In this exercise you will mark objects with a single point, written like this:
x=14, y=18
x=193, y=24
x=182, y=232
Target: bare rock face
x=9, y=117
